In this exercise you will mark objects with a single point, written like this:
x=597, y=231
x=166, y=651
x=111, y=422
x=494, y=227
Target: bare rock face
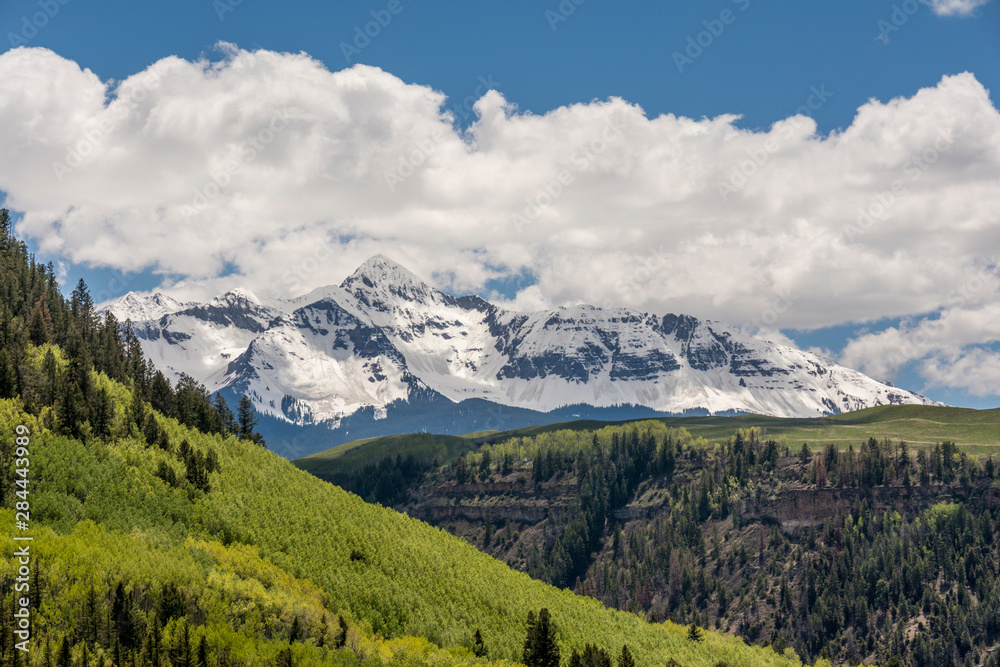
x=798, y=509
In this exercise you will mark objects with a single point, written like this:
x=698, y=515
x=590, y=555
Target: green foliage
x=142, y=563
x=479, y=645
x=104, y=497
x=541, y=648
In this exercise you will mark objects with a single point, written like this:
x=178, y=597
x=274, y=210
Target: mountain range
x=384, y=352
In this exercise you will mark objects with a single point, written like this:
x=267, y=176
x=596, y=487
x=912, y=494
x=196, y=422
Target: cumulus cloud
x=975, y=371
x=269, y=171
x=954, y=348
x=956, y=7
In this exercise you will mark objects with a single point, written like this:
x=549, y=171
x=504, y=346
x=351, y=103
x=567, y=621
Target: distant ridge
x=385, y=352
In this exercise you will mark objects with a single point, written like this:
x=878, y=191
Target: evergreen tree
x=82, y=305
x=8, y=377
x=202, y=658
x=153, y=644
x=65, y=658
x=340, y=641
x=478, y=645
x=225, y=414
x=694, y=633
x=323, y=628
x=124, y=619
x=540, y=647
x=40, y=323
x=626, y=659
x=593, y=656
x=180, y=654
x=284, y=658
x=246, y=421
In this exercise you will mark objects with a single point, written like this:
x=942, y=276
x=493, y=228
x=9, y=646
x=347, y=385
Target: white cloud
x=952, y=349
x=975, y=371
x=322, y=169
x=955, y=7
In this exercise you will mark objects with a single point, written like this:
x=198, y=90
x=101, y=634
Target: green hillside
x=101, y=514
x=162, y=532
x=352, y=456
x=974, y=431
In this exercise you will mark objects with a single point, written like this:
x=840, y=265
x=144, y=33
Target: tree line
x=74, y=340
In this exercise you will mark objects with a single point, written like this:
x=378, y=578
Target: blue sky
x=760, y=60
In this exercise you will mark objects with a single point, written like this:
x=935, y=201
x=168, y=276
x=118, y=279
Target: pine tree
x=8, y=377
x=225, y=414
x=284, y=658
x=540, y=647
x=65, y=658
x=90, y=617
x=123, y=617
x=694, y=633
x=153, y=645
x=40, y=323
x=340, y=641
x=202, y=659
x=323, y=628
x=626, y=659
x=478, y=645
x=246, y=421
x=181, y=653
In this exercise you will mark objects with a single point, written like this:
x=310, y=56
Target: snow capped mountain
x=384, y=339
x=143, y=309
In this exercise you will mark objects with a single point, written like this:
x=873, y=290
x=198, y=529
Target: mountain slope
x=394, y=574
x=384, y=339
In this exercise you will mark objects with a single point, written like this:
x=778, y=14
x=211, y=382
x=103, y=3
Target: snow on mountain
x=384, y=337
x=142, y=309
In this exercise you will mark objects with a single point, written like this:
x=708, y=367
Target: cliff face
x=497, y=502
x=791, y=509
x=796, y=509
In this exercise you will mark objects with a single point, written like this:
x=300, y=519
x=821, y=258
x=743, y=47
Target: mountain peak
x=383, y=274
x=238, y=294
x=139, y=307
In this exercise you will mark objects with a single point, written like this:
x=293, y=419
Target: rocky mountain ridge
x=355, y=357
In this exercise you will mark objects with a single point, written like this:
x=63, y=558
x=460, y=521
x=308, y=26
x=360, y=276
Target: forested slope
x=876, y=552
x=165, y=533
